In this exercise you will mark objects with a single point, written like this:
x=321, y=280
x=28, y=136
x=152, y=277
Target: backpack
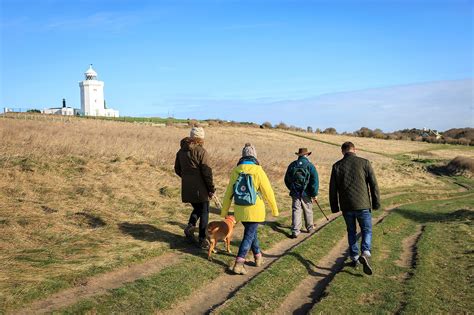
x=244, y=190
x=299, y=175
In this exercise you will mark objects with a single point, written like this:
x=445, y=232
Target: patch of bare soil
x=300, y=300
x=408, y=256
x=100, y=284
x=213, y=295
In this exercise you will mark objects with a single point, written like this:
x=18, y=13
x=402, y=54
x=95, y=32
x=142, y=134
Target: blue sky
x=345, y=64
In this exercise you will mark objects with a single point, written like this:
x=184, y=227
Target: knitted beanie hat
x=249, y=150
x=197, y=132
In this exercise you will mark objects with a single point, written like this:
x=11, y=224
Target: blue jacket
x=313, y=186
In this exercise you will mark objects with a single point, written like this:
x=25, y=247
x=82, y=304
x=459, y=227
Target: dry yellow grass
x=60, y=180
x=377, y=145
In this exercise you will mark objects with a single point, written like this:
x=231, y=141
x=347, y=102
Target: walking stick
x=316, y=200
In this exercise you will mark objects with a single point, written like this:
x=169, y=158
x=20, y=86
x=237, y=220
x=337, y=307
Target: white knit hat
x=249, y=150
x=197, y=132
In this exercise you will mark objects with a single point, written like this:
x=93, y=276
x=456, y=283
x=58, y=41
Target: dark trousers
x=201, y=213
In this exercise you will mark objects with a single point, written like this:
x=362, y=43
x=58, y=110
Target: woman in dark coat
x=197, y=187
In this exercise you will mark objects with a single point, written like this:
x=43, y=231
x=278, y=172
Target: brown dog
x=220, y=231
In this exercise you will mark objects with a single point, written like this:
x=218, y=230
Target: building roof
x=90, y=72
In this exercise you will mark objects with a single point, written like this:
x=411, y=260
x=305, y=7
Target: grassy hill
x=81, y=198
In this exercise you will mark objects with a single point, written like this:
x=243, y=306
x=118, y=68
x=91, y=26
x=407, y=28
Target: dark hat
x=302, y=151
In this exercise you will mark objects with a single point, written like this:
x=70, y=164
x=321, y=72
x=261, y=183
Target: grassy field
x=84, y=197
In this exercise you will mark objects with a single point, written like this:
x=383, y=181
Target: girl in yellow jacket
x=250, y=215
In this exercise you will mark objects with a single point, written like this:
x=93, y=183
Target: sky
x=343, y=64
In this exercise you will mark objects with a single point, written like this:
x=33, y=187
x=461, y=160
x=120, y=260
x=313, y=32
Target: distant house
x=64, y=110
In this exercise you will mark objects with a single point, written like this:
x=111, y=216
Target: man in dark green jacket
x=302, y=180
x=197, y=186
x=353, y=189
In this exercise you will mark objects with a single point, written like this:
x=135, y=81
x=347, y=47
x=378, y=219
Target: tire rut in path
x=100, y=284
x=300, y=301
x=213, y=295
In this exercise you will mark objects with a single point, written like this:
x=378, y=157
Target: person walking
x=302, y=180
x=248, y=186
x=353, y=189
x=197, y=186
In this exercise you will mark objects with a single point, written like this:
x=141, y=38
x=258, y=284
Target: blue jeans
x=364, y=218
x=250, y=240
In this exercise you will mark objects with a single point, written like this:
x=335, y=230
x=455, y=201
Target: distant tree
x=364, y=132
x=33, y=111
x=318, y=130
x=267, y=125
x=330, y=131
x=282, y=125
x=309, y=129
x=378, y=133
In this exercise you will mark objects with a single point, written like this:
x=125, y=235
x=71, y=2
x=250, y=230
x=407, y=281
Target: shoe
x=259, y=260
x=239, y=268
x=365, y=262
x=353, y=264
x=204, y=243
x=293, y=235
x=189, y=232
x=311, y=228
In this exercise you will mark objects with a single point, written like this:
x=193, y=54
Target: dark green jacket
x=353, y=185
x=192, y=165
x=313, y=185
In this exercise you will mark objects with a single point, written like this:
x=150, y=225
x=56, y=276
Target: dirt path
x=408, y=256
x=214, y=294
x=302, y=299
x=100, y=284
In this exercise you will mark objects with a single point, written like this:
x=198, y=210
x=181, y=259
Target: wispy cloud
x=112, y=21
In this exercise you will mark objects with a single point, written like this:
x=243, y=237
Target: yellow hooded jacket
x=256, y=212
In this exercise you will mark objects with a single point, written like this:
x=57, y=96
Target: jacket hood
x=189, y=143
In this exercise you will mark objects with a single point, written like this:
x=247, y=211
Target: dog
x=220, y=231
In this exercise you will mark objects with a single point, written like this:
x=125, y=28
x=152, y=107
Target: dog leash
x=217, y=202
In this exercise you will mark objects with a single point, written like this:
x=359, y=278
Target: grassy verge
x=144, y=296
x=447, y=229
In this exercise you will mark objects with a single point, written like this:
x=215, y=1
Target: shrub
x=330, y=131
x=282, y=125
x=267, y=125
x=460, y=164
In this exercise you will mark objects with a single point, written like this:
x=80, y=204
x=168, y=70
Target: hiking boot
x=204, y=243
x=189, y=232
x=259, y=260
x=364, y=260
x=239, y=268
x=311, y=228
x=294, y=235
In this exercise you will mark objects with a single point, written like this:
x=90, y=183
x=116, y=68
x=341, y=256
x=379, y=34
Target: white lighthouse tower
x=92, y=96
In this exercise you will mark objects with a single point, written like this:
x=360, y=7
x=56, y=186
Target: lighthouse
x=92, y=96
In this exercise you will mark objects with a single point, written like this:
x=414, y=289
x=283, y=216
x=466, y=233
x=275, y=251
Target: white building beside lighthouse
x=92, y=96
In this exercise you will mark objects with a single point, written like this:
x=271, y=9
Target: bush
x=330, y=131
x=282, y=125
x=267, y=125
x=461, y=164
